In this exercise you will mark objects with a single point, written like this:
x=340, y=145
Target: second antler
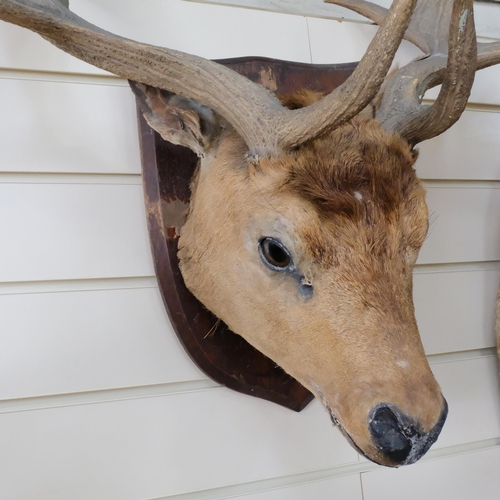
x=445, y=32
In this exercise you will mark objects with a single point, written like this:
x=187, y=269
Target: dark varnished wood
x=167, y=170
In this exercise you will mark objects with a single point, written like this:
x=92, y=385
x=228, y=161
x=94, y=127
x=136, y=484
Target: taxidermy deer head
x=305, y=223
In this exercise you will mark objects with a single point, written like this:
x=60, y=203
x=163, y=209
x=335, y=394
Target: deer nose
x=399, y=437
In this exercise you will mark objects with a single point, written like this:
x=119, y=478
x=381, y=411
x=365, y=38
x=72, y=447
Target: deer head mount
x=307, y=250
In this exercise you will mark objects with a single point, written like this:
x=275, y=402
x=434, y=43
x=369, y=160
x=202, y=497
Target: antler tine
x=377, y=14
x=401, y=109
x=420, y=34
x=358, y=90
x=488, y=54
x=250, y=108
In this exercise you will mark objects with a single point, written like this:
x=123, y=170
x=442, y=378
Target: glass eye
x=274, y=254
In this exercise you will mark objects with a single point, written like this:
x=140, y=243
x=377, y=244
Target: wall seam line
x=78, y=285
x=101, y=396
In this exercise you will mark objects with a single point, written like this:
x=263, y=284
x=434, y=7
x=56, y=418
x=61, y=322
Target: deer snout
x=398, y=437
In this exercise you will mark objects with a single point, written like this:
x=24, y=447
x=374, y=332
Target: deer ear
x=177, y=119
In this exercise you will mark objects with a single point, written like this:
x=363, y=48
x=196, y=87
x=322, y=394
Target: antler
x=438, y=29
x=267, y=128
x=405, y=113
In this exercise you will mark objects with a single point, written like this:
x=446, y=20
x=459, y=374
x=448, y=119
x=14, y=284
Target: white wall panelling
x=337, y=488
x=463, y=223
x=487, y=16
x=97, y=398
x=468, y=150
x=471, y=389
x=306, y=7
x=462, y=477
x=90, y=340
x=144, y=448
x=176, y=24
x=92, y=125
x=68, y=231
x=334, y=42
x=456, y=308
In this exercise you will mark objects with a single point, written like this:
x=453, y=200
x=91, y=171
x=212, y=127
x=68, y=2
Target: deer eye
x=274, y=254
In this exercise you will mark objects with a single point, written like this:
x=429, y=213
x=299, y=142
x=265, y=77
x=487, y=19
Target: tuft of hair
x=358, y=176
x=300, y=98
x=357, y=161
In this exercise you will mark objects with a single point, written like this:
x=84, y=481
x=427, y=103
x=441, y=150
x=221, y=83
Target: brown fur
x=358, y=179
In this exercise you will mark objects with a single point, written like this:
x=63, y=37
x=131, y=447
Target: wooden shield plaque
x=167, y=170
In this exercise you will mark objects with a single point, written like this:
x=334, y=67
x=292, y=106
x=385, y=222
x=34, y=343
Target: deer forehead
x=356, y=185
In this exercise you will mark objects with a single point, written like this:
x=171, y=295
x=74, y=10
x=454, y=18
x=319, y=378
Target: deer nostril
x=388, y=433
x=399, y=437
